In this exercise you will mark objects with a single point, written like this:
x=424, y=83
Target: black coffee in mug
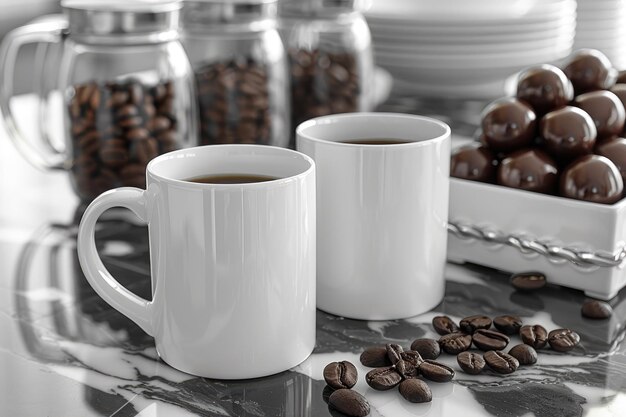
x=376, y=141
x=231, y=179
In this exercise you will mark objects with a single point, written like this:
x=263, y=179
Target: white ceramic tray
x=576, y=244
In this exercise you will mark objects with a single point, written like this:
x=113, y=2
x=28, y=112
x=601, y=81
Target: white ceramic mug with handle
x=233, y=265
x=382, y=212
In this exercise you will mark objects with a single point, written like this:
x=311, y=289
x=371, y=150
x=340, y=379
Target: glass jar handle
x=48, y=30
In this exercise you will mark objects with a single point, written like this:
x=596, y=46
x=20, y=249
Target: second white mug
x=382, y=212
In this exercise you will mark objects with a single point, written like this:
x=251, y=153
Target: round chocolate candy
x=545, y=88
x=473, y=162
x=508, y=124
x=620, y=91
x=592, y=178
x=606, y=111
x=530, y=170
x=615, y=150
x=568, y=133
x=590, y=70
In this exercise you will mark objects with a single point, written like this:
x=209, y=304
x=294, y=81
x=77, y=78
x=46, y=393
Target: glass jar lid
x=198, y=13
x=129, y=20
x=321, y=6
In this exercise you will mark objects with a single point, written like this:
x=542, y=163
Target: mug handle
x=132, y=306
x=46, y=30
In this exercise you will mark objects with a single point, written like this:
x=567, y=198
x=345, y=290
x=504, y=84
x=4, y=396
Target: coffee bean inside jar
x=234, y=102
x=116, y=128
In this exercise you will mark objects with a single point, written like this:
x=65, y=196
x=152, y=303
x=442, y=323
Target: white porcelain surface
x=233, y=266
x=382, y=211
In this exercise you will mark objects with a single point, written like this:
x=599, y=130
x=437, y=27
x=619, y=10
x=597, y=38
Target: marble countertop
x=65, y=352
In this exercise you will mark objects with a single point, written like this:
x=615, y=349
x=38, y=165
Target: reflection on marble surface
x=66, y=352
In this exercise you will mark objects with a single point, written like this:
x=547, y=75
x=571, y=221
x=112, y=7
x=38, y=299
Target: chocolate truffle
x=592, y=178
x=568, y=133
x=615, y=150
x=545, y=88
x=590, y=70
x=530, y=170
x=473, y=162
x=606, y=111
x=620, y=91
x=508, y=124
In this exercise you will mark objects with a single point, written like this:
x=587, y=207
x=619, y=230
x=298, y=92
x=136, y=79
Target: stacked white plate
x=467, y=49
x=601, y=24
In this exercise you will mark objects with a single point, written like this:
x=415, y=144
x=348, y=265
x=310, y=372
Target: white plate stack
x=601, y=24
x=467, y=49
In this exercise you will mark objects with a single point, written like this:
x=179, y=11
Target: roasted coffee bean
x=436, y=371
x=415, y=391
x=349, y=402
x=489, y=340
x=508, y=324
x=323, y=83
x=528, y=281
x=406, y=369
x=563, y=340
x=525, y=354
x=326, y=392
x=594, y=309
x=383, y=379
x=340, y=374
x=427, y=348
x=535, y=336
x=393, y=352
x=375, y=357
x=412, y=357
x=472, y=323
x=444, y=325
x=455, y=343
x=501, y=362
x=470, y=362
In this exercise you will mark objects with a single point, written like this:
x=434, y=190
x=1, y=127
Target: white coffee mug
x=233, y=265
x=382, y=213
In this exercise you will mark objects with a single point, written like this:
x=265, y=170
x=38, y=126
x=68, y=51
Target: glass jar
x=329, y=46
x=241, y=73
x=126, y=85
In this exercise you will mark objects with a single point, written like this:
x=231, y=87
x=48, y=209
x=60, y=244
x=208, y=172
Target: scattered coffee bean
x=528, y=281
x=436, y=371
x=412, y=357
x=501, y=362
x=455, y=343
x=508, y=324
x=525, y=354
x=393, y=352
x=383, y=379
x=594, y=309
x=472, y=323
x=470, y=362
x=535, y=336
x=349, y=402
x=563, y=340
x=444, y=325
x=427, y=348
x=406, y=369
x=340, y=374
x=489, y=340
x=375, y=357
x=117, y=125
x=415, y=391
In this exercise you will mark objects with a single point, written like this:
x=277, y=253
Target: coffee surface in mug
x=231, y=179
x=376, y=141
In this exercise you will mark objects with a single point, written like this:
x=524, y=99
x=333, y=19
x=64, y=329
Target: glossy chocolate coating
x=508, y=124
x=592, y=178
x=473, y=162
x=615, y=150
x=590, y=70
x=620, y=91
x=621, y=77
x=530, y=170
x=606, y=111
x=545, y=88
x=568, y=133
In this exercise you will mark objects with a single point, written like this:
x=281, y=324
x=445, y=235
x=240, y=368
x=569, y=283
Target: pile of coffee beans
x=116, y=128
x=234, y=102
x=322, y=83
x=562, y=134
